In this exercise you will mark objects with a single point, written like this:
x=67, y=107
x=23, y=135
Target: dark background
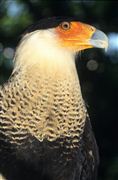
x=98, y=70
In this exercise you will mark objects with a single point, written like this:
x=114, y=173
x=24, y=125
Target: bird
x=45, y=129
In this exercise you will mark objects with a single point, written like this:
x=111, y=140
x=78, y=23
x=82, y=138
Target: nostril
x=92, y=28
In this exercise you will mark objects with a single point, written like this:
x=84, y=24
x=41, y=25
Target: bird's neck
x=55, y=65
x=51, y=73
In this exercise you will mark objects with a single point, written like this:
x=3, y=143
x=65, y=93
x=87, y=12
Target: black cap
x=47, y=23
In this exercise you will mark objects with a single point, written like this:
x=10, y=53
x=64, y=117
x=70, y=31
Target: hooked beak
x=99, y=40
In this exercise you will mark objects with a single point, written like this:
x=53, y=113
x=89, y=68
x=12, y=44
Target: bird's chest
x=54, y=110
x=46, y=110
x=43, y=123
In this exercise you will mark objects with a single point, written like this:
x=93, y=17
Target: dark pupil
x=65, y=26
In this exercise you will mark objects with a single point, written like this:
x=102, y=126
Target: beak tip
x=99, y=40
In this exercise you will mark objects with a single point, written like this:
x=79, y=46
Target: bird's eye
x=65, y=25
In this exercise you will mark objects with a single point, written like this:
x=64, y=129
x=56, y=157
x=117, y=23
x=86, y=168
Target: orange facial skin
x=76, y=37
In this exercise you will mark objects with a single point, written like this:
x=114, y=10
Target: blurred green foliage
x=98, y=71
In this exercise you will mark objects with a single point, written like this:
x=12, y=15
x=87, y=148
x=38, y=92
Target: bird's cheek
x=75, y=44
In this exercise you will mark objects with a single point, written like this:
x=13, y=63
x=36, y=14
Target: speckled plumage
x=45, y=132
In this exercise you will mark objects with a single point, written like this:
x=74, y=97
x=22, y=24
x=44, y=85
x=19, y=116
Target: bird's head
x=57, y=38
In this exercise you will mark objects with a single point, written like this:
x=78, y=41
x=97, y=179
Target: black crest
x=48, y=23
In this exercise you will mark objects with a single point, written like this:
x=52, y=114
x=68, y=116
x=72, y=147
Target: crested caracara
x=45, y=131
